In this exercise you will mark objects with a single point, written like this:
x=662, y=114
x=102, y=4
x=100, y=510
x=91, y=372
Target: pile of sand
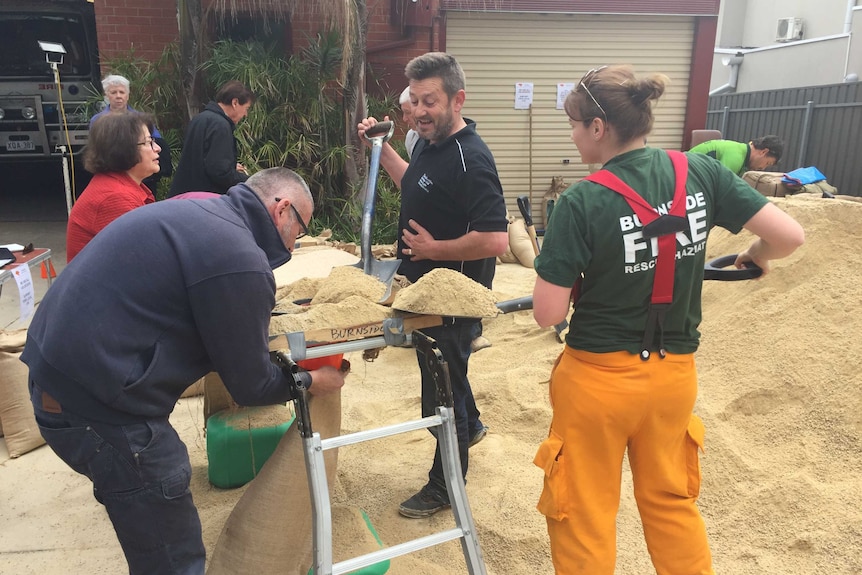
x=446, y=292
x=346, y=281
x=353, y=311
x=779, y=394
x=780, y=385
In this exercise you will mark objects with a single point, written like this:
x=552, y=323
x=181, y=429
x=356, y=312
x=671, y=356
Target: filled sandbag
x=269, y=531
x=822, y=188
x=521, y=244
x=16, y=412
x=508, y=257
x=769, y=184
x=195, y=389
x=13, y=340
x=216, y=395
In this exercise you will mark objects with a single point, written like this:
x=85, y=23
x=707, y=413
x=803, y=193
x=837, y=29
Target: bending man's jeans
x=141, y=474
x=453, y=341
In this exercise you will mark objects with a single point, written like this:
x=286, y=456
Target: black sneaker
x=478, y=435
x=424, y=504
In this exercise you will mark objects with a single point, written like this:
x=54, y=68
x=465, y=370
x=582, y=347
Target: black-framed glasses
x=584, y=83
x=149, y=141
x=302, y=225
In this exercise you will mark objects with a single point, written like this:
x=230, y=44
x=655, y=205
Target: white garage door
x=497, y=50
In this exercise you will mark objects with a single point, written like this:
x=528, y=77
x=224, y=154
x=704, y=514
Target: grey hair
x=279, y=182
x=115, y=79
x=405, y=96
x=438, y=65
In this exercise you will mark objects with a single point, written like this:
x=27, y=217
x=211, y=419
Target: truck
x=34, y=33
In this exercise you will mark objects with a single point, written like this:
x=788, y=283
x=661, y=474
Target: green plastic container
x=236, y=453
x=376, y=569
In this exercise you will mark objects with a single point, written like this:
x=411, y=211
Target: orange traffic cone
x=45, y=269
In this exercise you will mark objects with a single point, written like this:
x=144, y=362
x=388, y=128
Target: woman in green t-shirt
x=626, y=379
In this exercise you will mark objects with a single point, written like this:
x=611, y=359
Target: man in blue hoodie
x=163, y=295
x=208, y=160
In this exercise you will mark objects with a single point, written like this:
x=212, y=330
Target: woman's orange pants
x=603, y=404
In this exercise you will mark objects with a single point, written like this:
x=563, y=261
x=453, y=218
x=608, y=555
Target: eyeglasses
x=584, y=84
x=150, y=141
x=299, y=219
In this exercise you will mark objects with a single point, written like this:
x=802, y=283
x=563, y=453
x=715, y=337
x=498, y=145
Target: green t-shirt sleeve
x=565, y=251
x=735, y=202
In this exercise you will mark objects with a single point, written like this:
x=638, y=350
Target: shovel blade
x=384, y=271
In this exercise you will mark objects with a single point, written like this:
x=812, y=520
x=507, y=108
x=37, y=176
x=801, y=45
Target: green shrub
x=297, y=121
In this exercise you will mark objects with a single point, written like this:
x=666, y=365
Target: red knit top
x=106, y=198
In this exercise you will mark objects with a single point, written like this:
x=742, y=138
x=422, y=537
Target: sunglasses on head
x=585, y=82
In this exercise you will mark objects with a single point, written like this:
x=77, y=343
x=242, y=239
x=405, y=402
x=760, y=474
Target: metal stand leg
x=448, y=439
x=314, y=447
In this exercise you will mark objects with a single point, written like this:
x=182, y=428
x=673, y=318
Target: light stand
x=54, y=52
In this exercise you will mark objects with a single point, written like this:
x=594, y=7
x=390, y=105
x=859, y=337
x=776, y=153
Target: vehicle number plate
x=21, y=146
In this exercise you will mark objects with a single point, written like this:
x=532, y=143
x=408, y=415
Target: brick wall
x=147, y=26
x=392, y=43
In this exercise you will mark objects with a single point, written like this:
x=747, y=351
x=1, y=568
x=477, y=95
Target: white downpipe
x=734, y=62
x=848, y=29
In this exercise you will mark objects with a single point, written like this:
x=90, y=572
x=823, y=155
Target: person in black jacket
x=208, y=161
x=165, y=294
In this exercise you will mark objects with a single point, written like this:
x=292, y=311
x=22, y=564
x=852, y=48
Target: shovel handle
x=379, y=129
x=715, y=270
x=526, y=210
x=516, y=304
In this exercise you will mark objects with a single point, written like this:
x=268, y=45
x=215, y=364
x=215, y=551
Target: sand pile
x=346, y=281
x=446, y=292
x=353, y=311
x=780, y=396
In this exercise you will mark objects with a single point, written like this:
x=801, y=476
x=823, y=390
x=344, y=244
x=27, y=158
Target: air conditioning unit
x=789, y=29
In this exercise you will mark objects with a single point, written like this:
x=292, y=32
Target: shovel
x=386, y=270
x=527, y=213
x=717, y=269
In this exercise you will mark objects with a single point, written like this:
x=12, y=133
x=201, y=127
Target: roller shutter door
x=499, y=49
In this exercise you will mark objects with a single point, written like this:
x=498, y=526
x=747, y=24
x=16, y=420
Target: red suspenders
x=664, y=227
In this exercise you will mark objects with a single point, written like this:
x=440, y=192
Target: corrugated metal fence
x=821, y=126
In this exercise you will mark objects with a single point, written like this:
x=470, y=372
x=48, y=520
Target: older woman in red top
x=121, y=153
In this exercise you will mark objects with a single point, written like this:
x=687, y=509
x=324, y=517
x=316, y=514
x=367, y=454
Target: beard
x=440, y=129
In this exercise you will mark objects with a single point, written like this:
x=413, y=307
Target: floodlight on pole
x=54, y=53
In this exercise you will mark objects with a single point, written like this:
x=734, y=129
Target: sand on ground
x=780, y=395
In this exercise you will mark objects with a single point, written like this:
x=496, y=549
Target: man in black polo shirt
x=453, y=215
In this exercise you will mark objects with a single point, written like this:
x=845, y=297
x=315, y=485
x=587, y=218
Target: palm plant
x=296, y=120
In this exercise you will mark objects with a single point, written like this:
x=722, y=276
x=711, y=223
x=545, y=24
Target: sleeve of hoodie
x=220, y=155
x=232, y=312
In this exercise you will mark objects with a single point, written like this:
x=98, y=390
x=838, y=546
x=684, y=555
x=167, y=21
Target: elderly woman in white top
x=117, y=90
x=412, y=135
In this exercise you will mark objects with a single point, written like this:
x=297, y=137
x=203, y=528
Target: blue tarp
x=803, y=176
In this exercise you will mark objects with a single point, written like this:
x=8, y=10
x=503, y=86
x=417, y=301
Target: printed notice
x=25, y=290
x=523, y=95
x=563, y=89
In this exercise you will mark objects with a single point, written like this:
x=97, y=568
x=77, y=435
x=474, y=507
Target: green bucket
x=236, y=451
